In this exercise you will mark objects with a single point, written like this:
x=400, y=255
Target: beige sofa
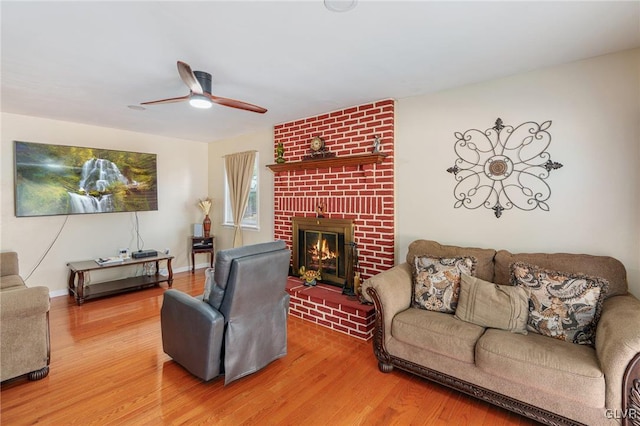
x=24, y=324
x=551, y=381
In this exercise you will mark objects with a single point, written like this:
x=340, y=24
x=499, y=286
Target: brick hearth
x=327, y=306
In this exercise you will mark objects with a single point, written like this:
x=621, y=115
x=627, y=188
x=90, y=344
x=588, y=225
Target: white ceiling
x=87, y=61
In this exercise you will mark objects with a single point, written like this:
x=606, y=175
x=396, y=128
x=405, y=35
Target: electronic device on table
x=140, y=254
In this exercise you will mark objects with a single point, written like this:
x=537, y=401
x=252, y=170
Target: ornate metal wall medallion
x=503, y=167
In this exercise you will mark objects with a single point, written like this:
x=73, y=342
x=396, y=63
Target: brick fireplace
x=361, y=193
x=364, y=194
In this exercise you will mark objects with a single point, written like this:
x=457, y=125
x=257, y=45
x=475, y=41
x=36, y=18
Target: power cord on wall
x=139, y=239
x=48, y=248
x=139, y=242
x=139, y=245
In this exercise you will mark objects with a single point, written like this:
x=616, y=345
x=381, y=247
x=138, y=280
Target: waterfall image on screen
x=59, y=179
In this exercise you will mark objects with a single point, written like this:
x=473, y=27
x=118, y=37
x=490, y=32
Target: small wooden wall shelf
x=323, y=163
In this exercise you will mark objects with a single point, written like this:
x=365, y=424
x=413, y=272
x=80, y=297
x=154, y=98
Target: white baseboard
x=58, y=293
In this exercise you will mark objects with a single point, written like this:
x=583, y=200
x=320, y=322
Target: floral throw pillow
x=436, y=281
x=562, y=305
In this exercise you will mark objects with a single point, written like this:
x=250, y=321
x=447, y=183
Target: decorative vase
x=206, y=225
x=280, y=152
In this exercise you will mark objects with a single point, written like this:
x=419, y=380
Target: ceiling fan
x=199, y=84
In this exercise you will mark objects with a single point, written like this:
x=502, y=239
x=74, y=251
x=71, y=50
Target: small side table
x=202, y=245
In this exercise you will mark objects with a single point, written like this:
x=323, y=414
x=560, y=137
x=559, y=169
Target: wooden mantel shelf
x=323, y=163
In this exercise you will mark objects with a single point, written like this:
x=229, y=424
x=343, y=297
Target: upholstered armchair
x=24, y=324
x=239, y=325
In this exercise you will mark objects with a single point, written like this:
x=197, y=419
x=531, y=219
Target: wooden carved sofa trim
x=631, y=393
x=386, y=363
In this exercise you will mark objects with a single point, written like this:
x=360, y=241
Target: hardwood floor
x=108, y=367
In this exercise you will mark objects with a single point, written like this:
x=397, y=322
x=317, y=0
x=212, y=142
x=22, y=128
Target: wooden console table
x=106, y=288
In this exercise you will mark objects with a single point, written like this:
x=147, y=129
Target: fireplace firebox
x=321, y=244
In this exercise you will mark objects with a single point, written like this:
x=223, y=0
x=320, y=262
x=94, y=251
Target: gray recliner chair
x=240, y=324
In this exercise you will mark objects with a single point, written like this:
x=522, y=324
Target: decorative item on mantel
x=320, y=209
x=280, y=153
x=205, y=206
x=309, y=276
x=502, y=174
x=318, y=149
x=377, y=147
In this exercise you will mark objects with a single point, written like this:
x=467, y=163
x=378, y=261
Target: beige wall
x=182, y=179
x=595, y=203
x=261, y=141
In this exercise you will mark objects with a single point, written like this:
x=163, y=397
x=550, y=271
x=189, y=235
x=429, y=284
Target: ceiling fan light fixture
x=340, y=5
x=199, y=96
x=200, y=101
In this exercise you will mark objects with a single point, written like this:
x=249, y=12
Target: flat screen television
x=60, y=180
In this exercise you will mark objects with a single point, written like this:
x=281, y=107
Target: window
x=250, y=218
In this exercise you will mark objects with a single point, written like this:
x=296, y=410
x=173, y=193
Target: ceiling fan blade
x=236, y=104
x=186, y=74
x=167, y=101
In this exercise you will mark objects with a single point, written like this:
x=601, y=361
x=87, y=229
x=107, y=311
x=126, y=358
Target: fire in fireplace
x=319, y=245
x=321, y=252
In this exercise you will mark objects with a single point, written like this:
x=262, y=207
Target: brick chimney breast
x=364, y=194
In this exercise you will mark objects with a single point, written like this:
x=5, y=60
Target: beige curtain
x=239, y=169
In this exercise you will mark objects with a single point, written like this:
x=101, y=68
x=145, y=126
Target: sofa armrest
x=617, y=343
x=392, y=290
x=24, y=302
x=24, y=332
x=9, y=263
